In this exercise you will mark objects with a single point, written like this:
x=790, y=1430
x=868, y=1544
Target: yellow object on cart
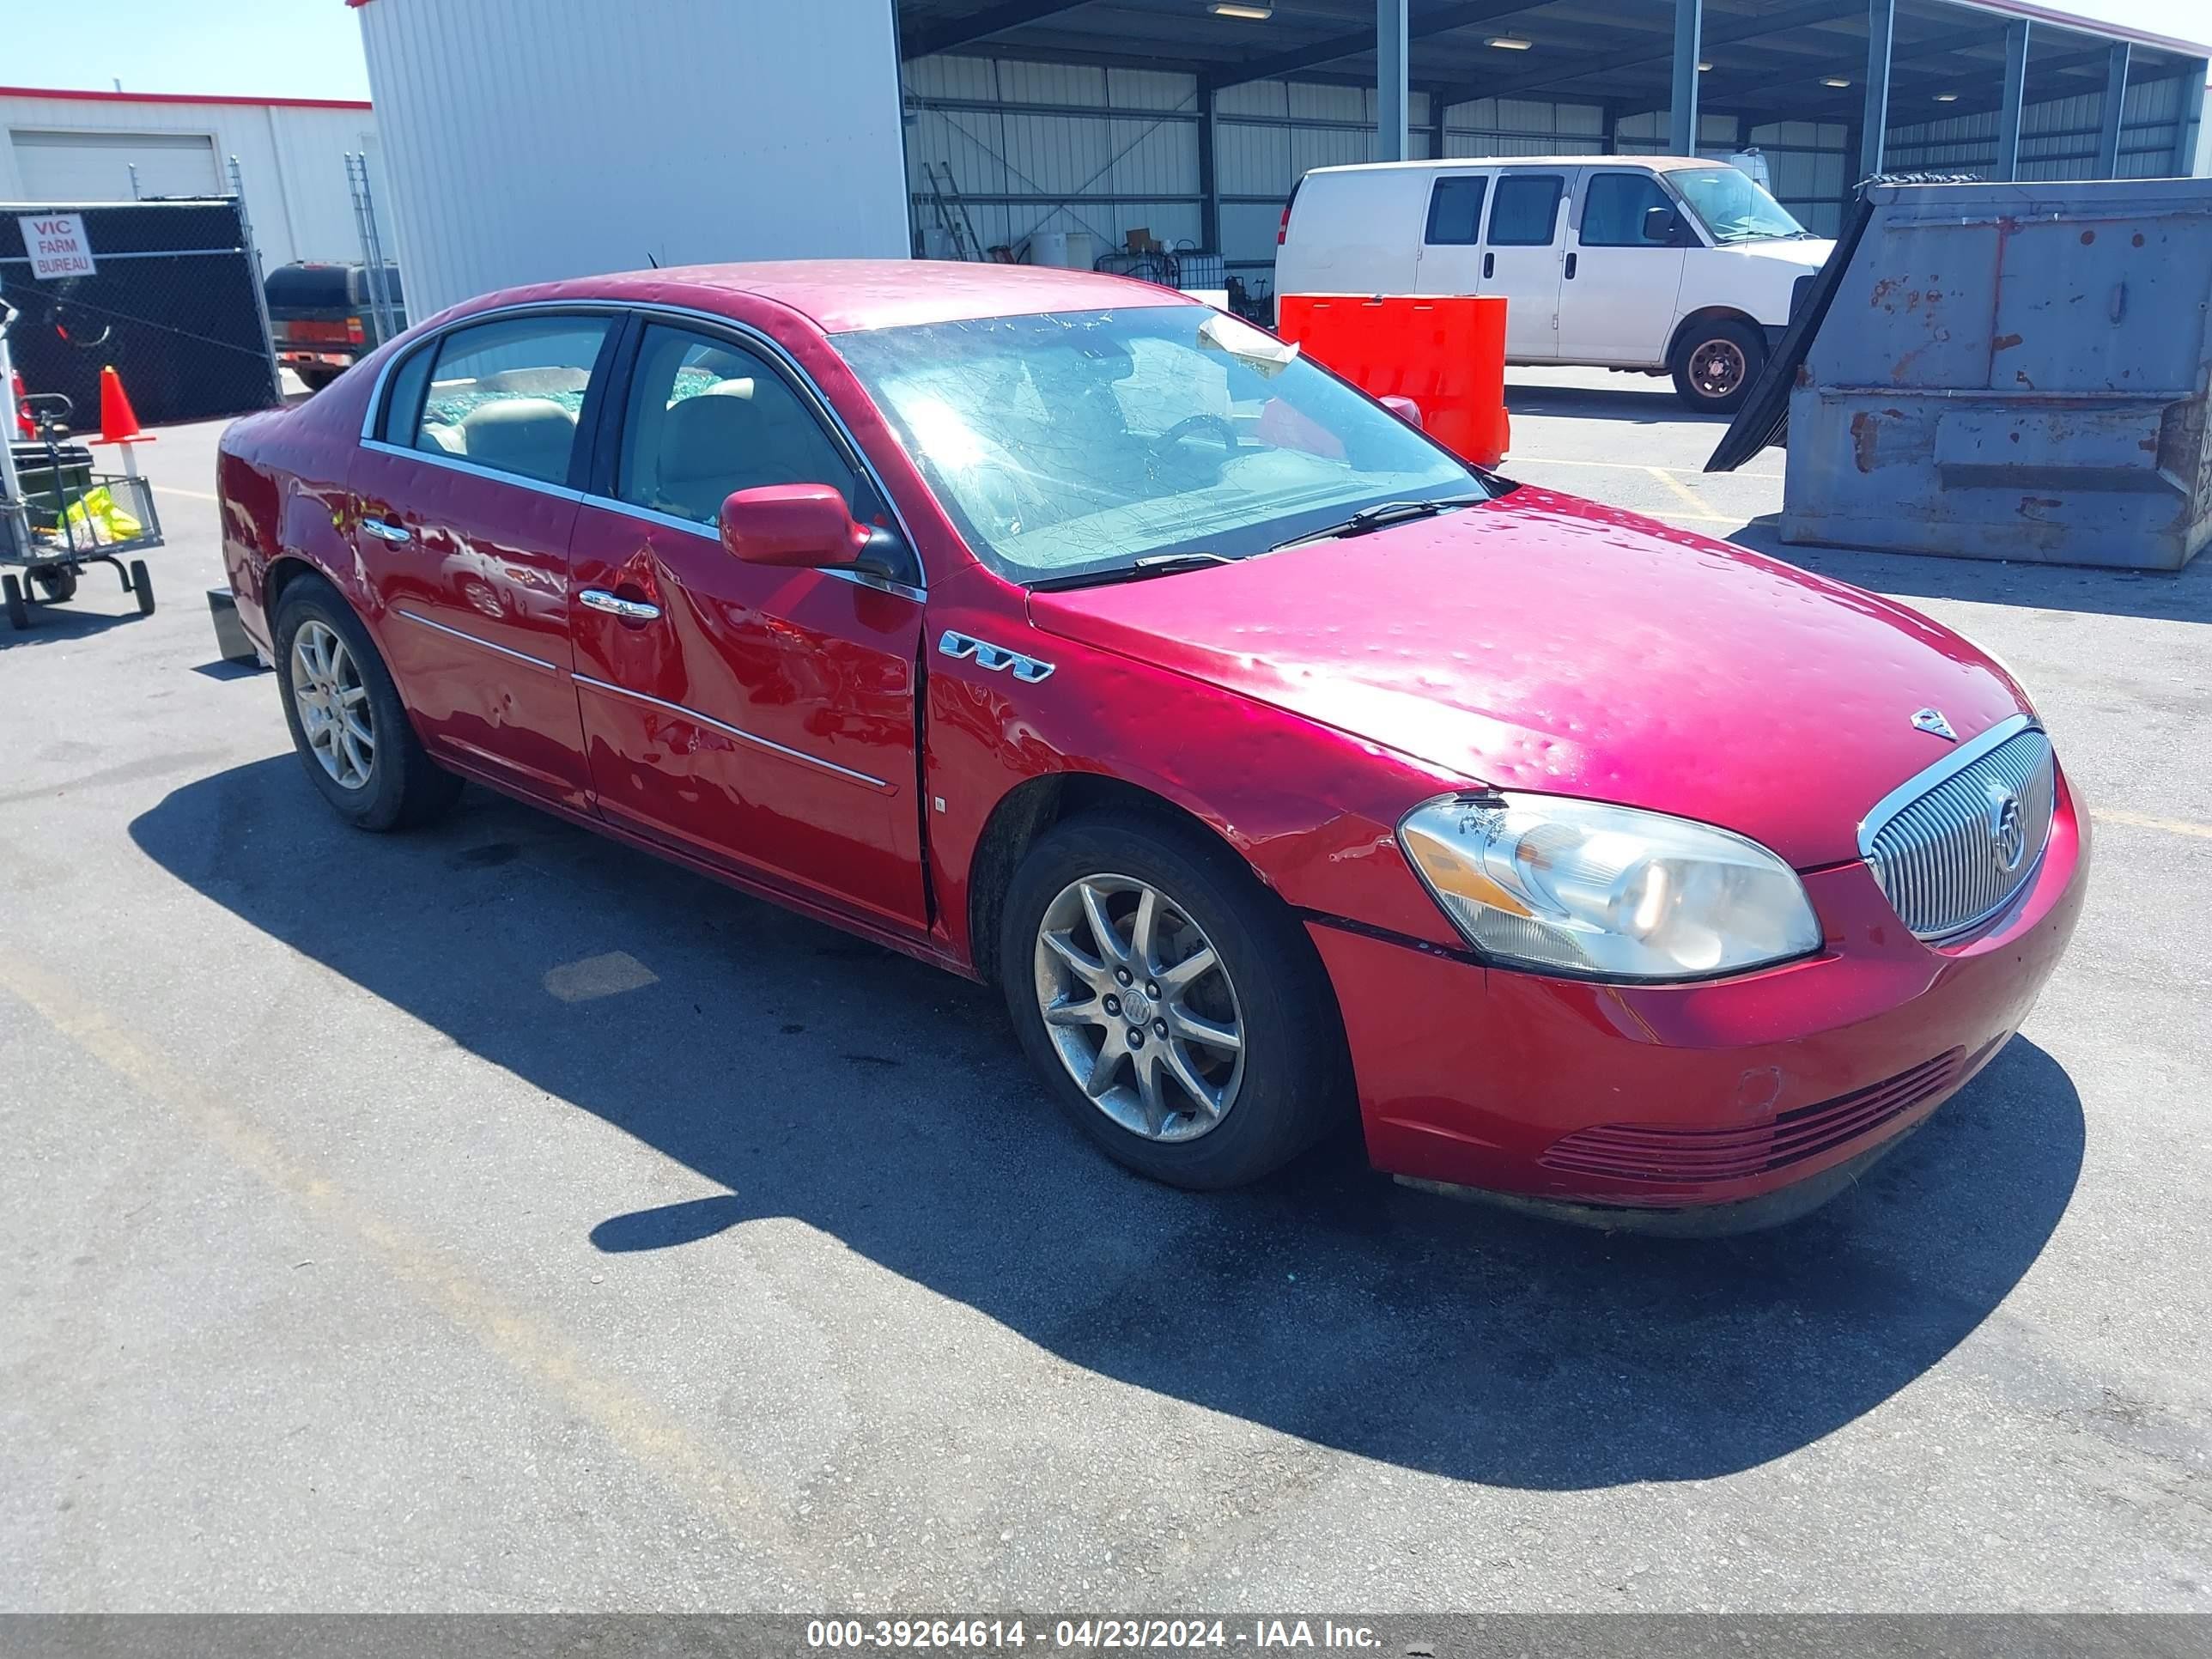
x=98, y=514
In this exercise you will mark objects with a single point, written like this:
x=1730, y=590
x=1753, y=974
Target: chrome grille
x=1955, y=844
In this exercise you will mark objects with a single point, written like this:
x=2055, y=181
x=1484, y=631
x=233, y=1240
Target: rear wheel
x=1715, y=363
x=1178, y=1012
x=18, y=612
x=143, y=586
x=316, y=376
x=356, y=742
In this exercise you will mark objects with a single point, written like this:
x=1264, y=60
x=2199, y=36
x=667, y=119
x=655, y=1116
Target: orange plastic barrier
x=1446, y=352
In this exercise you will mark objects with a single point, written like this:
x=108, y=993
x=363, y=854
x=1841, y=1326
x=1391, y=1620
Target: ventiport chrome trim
x=470, y=639
x=996, y=657
x=738, y=732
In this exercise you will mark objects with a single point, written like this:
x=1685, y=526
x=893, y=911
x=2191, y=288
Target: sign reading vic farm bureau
x=57, y=244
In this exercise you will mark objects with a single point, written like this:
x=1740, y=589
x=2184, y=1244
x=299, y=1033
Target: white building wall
x=290, y=157
x=528, y=140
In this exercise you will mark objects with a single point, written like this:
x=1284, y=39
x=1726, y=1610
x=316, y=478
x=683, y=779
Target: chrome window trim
x=1922, y=781
x=752, y=337
x=454, y=464
x=652, y=515
x=458, y=634
x=738, y=732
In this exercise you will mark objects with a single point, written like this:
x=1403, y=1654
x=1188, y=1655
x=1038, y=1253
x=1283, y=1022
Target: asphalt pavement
x=497, y=1217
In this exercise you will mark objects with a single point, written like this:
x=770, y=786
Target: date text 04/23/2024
x=1085, y=1634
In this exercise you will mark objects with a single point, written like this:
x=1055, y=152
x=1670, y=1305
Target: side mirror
x=803, y=527
x=1662, y=225
x=1404, y=408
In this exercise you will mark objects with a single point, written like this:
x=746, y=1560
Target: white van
x=1658, y=263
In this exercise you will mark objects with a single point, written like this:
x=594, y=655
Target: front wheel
x=353, y=735
x=1178, y=1012
x=1715, y=363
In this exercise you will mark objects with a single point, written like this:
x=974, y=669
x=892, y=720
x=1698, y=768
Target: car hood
x=1542, y=643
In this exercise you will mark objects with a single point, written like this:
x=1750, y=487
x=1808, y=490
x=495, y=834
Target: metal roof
x=1770, y=58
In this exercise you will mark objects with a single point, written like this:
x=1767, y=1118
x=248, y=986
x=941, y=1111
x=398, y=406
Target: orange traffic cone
x=118, y=425
x=23, y=420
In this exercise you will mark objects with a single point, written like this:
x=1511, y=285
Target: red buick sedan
x=1280, y=766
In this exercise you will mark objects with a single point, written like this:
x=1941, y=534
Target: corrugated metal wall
x=291, y=157
x=534, y=139
x=2057, y=138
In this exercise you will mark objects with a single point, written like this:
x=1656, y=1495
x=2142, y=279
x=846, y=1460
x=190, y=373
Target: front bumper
x=1618, y=1103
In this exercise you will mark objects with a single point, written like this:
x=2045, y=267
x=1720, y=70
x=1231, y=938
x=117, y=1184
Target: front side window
x=507, y=394
x=1074, y=443
x=707, y=418
x=1614, y=206
x=1526, y=209
x=1456, y=212
x=1734, y=206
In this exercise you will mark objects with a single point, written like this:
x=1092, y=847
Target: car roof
x=1657, y=163
x=842, y=295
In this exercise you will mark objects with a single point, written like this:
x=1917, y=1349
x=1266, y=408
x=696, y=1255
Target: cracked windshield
x=1077, y=441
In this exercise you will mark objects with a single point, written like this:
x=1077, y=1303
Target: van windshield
x=1070, y=443
x=1733, y=205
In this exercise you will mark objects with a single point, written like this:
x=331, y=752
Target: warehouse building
x=530, y=138
x=67, y=147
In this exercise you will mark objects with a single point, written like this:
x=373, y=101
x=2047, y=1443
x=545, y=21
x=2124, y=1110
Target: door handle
x=1489, y=264
x=385, y=530
x=1571, y=267
x=614, y=605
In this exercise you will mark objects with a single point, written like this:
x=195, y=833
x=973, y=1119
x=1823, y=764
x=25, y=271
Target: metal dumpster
x=2003, y=371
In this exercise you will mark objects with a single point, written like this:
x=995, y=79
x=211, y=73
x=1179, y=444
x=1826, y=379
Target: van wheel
x=1715, y=364
x=1176, y=1008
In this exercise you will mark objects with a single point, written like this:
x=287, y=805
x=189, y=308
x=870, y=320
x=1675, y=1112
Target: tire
x=19, y=613
x=143, y=586
x=316, y=377
x=1288, y=1080
x=1716, y=363
x=54, y=584
x=390, y=782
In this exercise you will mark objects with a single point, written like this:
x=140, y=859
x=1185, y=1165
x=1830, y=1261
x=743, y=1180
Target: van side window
x=1456, y=212
x=1613, y=205
x=1526, y=209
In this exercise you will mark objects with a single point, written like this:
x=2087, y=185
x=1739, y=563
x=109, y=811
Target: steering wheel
x=1189, y=426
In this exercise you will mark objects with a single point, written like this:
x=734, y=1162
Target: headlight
x=1606, y=891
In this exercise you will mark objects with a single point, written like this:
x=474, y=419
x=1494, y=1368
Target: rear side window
x=1614, y=206
x=1525, y=210
x=402, y=398
x=1456, y=212
x=506, y=395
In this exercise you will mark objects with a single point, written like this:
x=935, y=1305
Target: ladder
x=951, y=213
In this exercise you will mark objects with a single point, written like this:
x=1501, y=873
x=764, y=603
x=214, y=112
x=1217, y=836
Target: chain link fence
x=174, y=303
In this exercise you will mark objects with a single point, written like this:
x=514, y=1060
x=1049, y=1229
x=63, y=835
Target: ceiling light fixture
x=1702, y=67
x=1835, y=81
x=1257, y=14
x=1947, y=97
x=1509, y=43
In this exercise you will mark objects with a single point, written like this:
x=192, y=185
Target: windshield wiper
x=1382, y=516
x=1155, y=564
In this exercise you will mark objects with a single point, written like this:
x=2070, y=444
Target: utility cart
x=57, y=514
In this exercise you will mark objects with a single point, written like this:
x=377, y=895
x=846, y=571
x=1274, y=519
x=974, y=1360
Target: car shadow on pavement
x=2172, y=596
x=1638, y=399
x=812, y=1076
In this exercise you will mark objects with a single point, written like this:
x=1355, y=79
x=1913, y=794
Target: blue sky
x=311, y=48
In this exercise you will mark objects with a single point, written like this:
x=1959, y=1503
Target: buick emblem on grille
x=1931, y=720
x=2007, y=828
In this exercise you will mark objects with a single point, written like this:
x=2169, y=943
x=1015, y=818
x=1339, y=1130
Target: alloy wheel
x=1140, y=1008
x=333, y=705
